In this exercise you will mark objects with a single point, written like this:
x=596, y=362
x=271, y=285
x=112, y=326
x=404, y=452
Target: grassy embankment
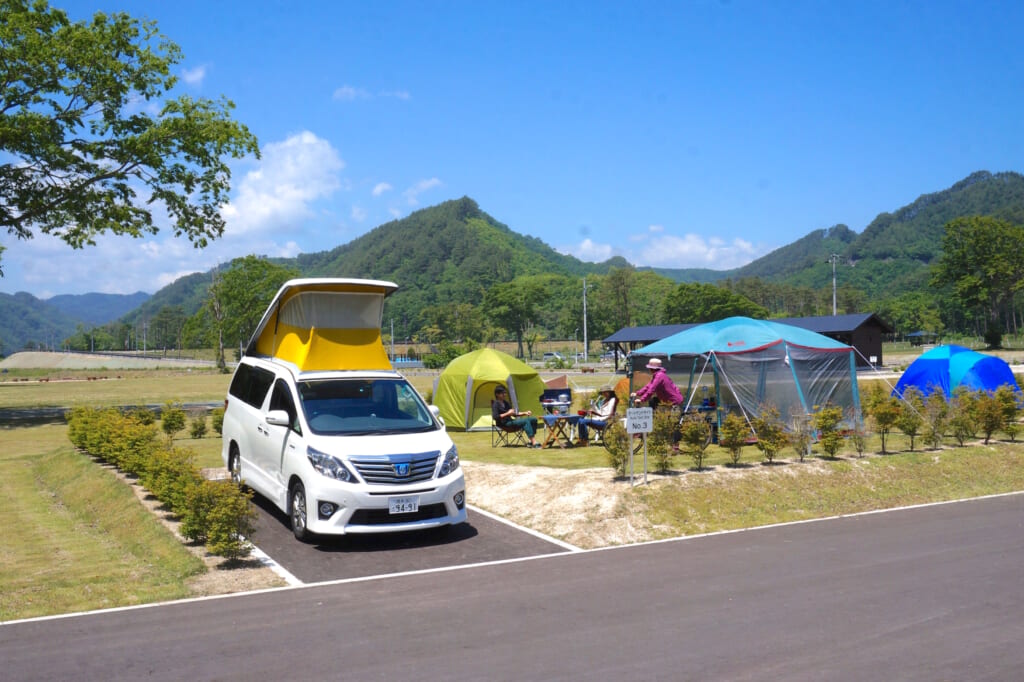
x=75, y=537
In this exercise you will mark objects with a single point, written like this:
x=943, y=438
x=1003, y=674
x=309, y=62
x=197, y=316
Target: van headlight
x=451, y=461
x=329, y=465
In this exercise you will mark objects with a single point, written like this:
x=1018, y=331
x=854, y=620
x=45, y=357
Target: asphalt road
x=931, y=593
x=480, y=540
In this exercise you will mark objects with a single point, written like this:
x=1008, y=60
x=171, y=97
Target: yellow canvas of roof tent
x=325, y=324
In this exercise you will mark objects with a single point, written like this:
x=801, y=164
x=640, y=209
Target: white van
x=318, y=422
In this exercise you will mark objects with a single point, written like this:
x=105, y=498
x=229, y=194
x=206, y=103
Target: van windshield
x=354, y=407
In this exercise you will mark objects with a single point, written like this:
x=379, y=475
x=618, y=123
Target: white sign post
x=639, y=420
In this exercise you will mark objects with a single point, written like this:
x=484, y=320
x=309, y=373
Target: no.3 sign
x=639, y=420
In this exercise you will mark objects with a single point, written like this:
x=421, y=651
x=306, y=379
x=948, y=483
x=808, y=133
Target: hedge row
x=216, y=513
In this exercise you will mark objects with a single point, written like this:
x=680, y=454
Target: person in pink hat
x=661, y=389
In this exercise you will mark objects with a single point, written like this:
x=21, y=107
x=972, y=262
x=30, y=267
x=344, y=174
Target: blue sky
x=675, y=134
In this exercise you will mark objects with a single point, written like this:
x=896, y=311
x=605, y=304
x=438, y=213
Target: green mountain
x=893, y=253
x=26, y=321
x=453, y=252
x=96, y=309
x=446, y=254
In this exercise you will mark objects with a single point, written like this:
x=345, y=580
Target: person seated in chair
x=598, y=418
x=505, y=415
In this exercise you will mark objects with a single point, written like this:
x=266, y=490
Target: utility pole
x=832, y=259
x=585, y=344
x=392, y=339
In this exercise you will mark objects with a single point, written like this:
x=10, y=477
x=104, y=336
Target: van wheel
x=235, y=465
x=298, y=514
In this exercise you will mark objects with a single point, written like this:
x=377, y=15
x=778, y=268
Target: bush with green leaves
x=197, y=427
x=884, y=414
x=223, y=517
x=771, y=432
x=936, y=416
x=662, y=437
x=619, y=445
x=695, y=437
x=733, y=435
x=172, y=418
x=169, y=474
x=217, y=420
x=1010, y=402
x=218, y=514
x=911, y=416
x=963, y=422
x=828, y=421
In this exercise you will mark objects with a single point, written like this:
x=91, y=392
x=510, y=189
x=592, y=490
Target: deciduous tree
x=92, y=139
x=983, y=259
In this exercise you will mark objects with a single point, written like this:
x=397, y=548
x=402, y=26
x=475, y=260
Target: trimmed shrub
x=771, y=437
x=827, y=421
x=217, y=420
x=197, y=427
x=218, y=514
x=172, y=418
x=618, y=444
x=733, y=436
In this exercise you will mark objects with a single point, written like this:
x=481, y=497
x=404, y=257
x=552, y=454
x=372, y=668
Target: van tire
x=298, y=512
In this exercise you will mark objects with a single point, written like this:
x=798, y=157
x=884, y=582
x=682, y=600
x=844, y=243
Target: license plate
x=403, y=505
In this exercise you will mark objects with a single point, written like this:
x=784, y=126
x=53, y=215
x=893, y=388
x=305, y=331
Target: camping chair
x=597, y=435
x=509, y=434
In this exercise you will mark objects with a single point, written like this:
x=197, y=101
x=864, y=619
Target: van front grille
x=396, y=469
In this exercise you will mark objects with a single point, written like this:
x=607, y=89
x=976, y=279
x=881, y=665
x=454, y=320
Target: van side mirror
x=278, y=418
x=436, y=411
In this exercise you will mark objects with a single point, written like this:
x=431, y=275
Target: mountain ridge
x=453, y=252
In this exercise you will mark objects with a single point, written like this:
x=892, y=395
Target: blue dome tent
x=740, y=365
x=947, y=367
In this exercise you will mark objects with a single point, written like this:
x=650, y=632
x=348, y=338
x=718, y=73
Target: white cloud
x=413, y=193
x=590, y=251
x=695, y=251
x=350, y=93
x=655, y=249
x=380, y=188
x=358, y=214
x=347, y=93
x=278, y=193
x=194, y=76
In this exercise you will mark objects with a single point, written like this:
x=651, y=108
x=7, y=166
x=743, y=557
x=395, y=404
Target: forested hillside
x=29, y=320
x=98, y=308
x=448, y=254
x=446, y=258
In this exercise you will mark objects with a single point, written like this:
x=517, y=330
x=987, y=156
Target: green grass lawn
x=102, y=389
x=75, y=537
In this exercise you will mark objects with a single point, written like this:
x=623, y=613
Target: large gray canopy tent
x=741, y=365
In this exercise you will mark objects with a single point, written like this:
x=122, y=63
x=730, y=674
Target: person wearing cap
x=598, y=417
x=504, y=414
x=660, y=389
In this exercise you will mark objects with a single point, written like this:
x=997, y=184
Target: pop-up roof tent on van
x=325, y=324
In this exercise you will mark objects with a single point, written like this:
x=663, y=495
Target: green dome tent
x=464, y=390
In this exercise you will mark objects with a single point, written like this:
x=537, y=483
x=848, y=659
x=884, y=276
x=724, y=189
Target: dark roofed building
x=863, y=331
